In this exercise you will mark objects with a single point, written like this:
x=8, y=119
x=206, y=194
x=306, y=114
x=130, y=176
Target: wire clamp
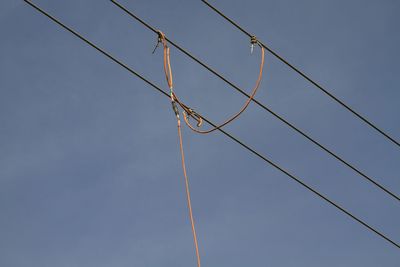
x=253, y=41
x=188, y=112
x=160, y=37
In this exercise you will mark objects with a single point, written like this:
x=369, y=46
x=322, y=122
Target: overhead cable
x=253, y=151
x=302, y=74
x=301, y=132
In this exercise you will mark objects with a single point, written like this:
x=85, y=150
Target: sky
x=90, y=170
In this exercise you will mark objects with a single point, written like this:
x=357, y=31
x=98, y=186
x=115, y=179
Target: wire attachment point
x=197, y=117
x=190, y=113
x=160, y=38
x=253, y=41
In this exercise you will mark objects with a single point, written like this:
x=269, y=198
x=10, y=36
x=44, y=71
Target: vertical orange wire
x=168, y=76
x=188, y=194
x=174, y=100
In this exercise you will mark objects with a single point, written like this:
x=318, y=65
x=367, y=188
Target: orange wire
x=189, y=112
x=246, y=104
x=168, y=75
x=188, y=194
x=167, y=63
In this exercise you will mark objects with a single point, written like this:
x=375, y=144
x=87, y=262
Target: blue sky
x=90, y=171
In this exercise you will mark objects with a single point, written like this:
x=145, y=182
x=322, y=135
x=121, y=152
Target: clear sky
x=90, y=169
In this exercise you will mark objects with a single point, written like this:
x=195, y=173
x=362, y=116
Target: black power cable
x=320, y=87
x=368, y=178
x=212, y=124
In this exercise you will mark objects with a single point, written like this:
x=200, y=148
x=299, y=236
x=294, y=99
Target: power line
x=221, y=130
x=320, y=87
x=368, y=178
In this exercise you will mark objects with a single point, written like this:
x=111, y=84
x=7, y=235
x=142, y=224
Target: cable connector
x=175, y=108
x=173, y=103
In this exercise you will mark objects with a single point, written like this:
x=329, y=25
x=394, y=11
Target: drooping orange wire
x=189, y=112
x=246, y=104
x=168, y=75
